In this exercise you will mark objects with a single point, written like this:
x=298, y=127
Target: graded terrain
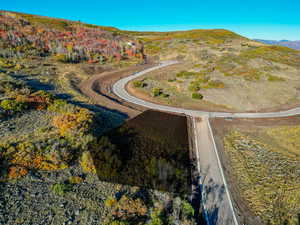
x=220, y=71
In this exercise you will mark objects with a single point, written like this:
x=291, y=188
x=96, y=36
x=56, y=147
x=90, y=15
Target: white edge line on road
x=199, y=169
x=222, y=173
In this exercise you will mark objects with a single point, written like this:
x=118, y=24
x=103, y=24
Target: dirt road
x=99, y=89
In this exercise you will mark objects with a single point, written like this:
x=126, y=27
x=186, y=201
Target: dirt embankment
x=99, y=89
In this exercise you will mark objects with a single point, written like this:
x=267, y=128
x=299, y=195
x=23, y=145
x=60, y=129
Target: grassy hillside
x=224, y=69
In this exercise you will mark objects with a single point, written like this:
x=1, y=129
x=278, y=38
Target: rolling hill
x=286, y=43
x=222, y=71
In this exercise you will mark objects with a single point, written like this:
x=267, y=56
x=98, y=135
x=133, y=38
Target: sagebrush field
x=264, y=159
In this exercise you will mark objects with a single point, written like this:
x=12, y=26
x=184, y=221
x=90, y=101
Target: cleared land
x=261, y=158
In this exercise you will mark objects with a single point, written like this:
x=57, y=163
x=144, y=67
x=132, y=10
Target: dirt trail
x=99, y=89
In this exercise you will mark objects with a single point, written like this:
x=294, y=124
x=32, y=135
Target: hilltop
x=220, y=70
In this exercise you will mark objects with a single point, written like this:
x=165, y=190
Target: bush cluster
x=138, y=84
x=13, y=105
x=196, y=95
x=61, y=188
x=156, y=92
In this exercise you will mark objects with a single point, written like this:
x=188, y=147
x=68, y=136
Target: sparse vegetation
x=232, y=64
x=275, y=78
x=266, y=171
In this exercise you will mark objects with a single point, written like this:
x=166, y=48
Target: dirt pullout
x=99, y=89
x=220, y=127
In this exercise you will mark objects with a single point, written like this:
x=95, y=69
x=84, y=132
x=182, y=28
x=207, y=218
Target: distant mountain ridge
x=286, y=43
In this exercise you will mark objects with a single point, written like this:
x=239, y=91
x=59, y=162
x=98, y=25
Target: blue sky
x=266, y=19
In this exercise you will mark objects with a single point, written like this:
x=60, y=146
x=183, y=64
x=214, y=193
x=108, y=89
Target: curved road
x=119, y=88
x=219, y=208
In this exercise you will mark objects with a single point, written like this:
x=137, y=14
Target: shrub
x=197, y=95
x=61, y=188
x=138, y=84
x=194, y=86
x=13, y=105
x=49, y=98
x=156, y=92
x=61, y=58
x=275, y=78
x=75, y=180
x=58, y=105
x=19, y=67
x=186, y=74
x=155, y=219
x=128, y=208
x=110, y=202
x=78, y=122
x=187, y=210
x=215, y=84
x=15, y=172
x=87, y=163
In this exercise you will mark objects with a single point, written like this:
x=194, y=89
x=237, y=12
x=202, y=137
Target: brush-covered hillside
x=55, y=160
x=67, y=41
x=220, y=70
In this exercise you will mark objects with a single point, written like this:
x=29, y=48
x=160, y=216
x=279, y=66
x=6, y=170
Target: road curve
x=119, y=88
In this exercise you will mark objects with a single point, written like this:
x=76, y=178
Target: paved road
x=120, y=90
x=216, y=196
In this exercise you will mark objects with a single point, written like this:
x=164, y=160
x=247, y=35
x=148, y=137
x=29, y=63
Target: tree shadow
x=34, y=83
x=149, y=151
x=212, y=197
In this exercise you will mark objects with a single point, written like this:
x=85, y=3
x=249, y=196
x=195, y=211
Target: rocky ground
x=31, y=199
